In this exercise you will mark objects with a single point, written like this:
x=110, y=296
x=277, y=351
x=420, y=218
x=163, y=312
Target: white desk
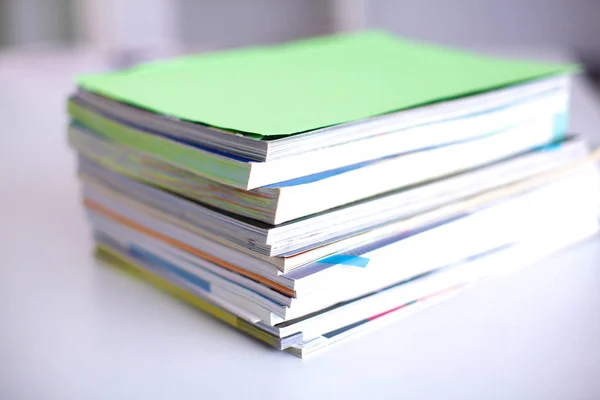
x=72, y=330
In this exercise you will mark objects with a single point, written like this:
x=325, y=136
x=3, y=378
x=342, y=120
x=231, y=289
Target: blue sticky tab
x=561, y=125
x=346, y=259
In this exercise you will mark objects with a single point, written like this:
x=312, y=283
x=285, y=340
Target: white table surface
x=70, y=329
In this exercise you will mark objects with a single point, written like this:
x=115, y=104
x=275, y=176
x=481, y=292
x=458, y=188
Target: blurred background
x=139, y=29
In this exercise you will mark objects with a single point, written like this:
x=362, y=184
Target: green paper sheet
x=310, y=84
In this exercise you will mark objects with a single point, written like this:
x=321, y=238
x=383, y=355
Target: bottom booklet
x=497, y=264
x=473, y=270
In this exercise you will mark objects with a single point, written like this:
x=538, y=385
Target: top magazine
x=239, y=110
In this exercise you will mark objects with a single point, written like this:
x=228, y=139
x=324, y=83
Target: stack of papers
x=307, y=192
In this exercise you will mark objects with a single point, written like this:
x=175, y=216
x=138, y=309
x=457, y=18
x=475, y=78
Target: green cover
x=310, y=84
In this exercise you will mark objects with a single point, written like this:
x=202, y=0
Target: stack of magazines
x=309, y=191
